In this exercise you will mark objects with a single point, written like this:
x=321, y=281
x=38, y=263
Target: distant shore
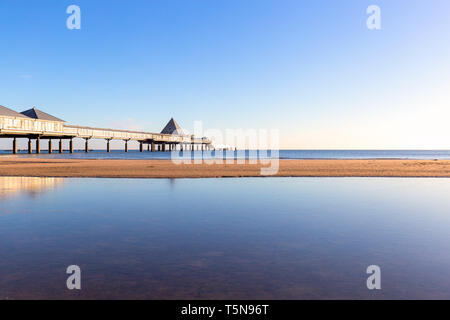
x=25, y=167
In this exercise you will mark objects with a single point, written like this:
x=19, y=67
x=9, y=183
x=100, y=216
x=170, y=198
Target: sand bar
x=41, y=167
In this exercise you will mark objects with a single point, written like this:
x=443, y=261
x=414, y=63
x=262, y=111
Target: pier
x=36, y=125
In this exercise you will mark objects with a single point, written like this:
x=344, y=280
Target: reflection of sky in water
x=287, y=238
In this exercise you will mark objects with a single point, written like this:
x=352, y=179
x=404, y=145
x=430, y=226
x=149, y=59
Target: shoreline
x=118, y=168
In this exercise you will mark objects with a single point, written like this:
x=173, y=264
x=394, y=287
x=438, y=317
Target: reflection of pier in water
x=10, y=186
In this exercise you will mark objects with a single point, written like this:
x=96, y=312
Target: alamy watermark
x=73, y=22
x=374, y=280
x=235, y=146
x=374, y=20
x=74, y=280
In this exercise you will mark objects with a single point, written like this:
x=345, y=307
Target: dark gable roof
x=172, y=127
x=10, y=113
x=38, y=114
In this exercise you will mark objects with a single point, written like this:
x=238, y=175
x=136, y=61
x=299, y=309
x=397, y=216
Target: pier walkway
x=34, y=124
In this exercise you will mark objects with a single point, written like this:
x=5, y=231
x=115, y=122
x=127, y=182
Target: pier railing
x=23, y=127
x=114, y=134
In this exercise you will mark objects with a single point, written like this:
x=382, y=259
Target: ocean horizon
x=282, y=154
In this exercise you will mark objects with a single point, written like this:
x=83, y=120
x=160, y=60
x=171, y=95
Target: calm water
x=283, y=154
x=277, y=238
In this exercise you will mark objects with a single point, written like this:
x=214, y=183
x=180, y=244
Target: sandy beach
x=15, y=166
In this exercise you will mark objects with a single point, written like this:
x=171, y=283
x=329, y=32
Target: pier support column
x=14, y=148
x=38, y=146
x=163, y=145
x=71, y=146
x=153, y=146
x=141, y=146
x=181, y=147
x=50, y=149
x=86, y=145
x=148, y=146
x=108, y=147
x=126, y=145
x=60, y=146
x=30, y=146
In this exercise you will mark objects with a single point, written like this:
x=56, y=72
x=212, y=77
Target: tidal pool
x=246, y=238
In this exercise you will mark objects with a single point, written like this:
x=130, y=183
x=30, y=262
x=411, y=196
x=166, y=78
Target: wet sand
x=38, y=167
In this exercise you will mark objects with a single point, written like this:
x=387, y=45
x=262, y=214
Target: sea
x=281, y=154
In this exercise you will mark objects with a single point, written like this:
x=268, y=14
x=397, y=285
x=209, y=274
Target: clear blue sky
x=311, y=69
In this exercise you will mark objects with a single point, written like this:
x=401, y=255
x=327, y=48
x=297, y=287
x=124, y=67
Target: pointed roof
x=172, y=127
x=10, y=113
x=38, y=114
